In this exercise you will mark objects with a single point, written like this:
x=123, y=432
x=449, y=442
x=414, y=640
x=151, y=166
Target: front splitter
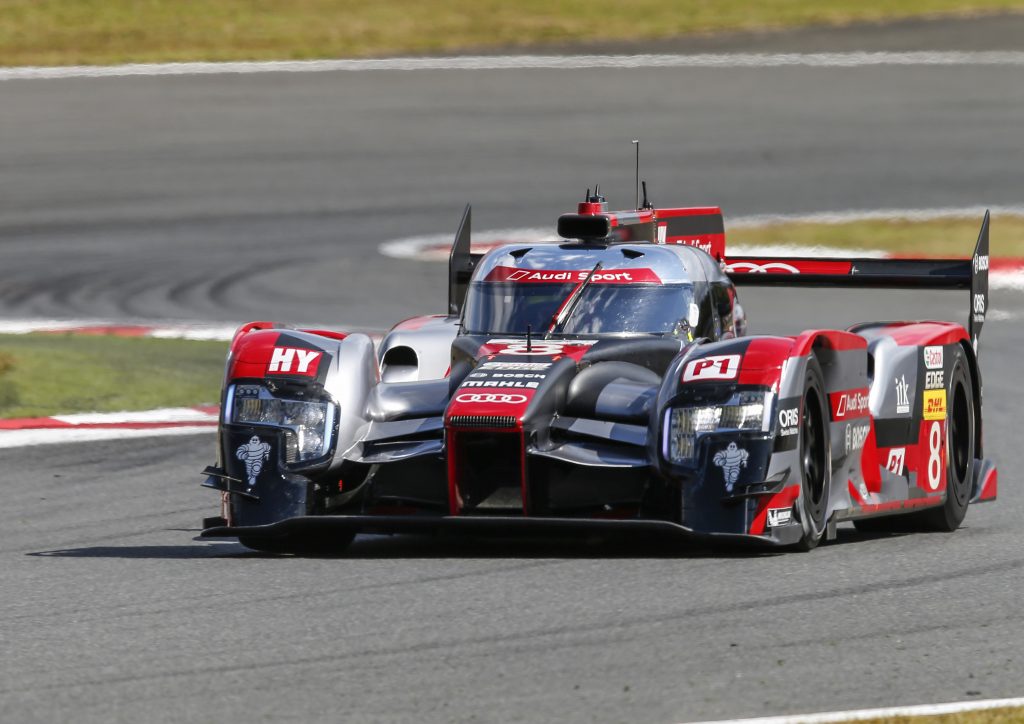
x=322, y=526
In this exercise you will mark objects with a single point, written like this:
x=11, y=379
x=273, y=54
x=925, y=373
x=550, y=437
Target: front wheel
x=815, y=459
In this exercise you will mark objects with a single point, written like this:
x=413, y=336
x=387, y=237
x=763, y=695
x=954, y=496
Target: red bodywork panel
x=256, y=352
x=908, y=334
x=699, y=226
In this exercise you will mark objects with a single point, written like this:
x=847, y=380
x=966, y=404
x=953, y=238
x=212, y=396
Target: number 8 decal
x=935, y=455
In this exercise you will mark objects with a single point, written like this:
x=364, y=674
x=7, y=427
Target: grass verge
x=943, y=238
x=52, y=374
x=65, y=32
x=1011, y=715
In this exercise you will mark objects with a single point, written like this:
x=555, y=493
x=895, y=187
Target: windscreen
x=508, y=308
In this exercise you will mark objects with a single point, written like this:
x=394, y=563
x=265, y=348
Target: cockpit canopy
x=511, y=308
x=637, y=290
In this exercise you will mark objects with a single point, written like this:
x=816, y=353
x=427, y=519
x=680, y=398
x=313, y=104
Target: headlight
x=745, y=411
x=307, y=425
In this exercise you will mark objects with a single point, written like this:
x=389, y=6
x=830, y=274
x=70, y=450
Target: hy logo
x=730, y=461
x=253, y=453
x=292, y=360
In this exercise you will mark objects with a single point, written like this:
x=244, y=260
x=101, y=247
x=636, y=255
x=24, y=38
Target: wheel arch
x=974, y=369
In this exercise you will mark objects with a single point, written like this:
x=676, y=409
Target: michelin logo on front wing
x=731, y=460
x=253, y=453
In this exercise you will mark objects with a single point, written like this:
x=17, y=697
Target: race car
x=605, y=383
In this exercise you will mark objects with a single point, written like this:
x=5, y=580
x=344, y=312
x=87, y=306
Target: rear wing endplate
x=461, y=262
x=969, y=274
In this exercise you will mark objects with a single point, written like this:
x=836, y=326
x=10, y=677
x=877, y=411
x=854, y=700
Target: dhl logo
x=934, y=405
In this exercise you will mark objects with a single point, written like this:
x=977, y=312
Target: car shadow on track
x=422, y=547
x=427, y=547
x=220, y=550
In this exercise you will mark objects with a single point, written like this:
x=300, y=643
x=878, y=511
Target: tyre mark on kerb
x=602, y=626
x=533, y=62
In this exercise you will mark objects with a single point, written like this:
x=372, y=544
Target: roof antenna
x=587, y=197
x=636, y=142
x=647, y=204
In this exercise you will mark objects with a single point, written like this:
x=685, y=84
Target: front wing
x=323, y=526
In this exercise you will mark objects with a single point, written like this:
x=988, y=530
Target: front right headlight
x=744, y=411
x=308, y=425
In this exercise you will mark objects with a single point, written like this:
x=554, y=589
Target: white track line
x=412, y=247
x=861, y=714
x=26, y=438
x=162, y=415
x=533, y=62
x=199, y=331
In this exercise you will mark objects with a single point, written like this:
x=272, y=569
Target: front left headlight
x=308, y=425
x=744, y=412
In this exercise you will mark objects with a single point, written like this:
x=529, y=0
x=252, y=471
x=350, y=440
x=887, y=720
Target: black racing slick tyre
x=304, y=546
x=815, y=459
x=960, y=452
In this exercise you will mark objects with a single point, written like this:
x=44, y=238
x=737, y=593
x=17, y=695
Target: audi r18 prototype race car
x=605, y=383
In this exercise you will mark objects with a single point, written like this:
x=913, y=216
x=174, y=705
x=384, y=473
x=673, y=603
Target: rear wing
x=969, y=274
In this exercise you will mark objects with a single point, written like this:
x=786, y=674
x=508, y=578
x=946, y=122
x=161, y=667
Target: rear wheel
x=960, y=452
x=815, y=459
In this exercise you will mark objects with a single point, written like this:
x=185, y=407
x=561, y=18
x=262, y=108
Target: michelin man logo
x=730, y=461
x=253, y=454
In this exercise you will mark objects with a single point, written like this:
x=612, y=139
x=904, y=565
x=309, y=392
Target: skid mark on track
x=208, y=599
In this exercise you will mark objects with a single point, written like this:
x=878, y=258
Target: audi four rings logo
x=491, y=397
x=771, y=266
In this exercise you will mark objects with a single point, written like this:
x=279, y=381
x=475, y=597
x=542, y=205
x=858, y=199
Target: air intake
x=482, y=421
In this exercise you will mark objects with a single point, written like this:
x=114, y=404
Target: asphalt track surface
x=228, y=198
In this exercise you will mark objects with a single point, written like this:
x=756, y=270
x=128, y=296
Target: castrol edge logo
x=491, y=397
x=573, y=276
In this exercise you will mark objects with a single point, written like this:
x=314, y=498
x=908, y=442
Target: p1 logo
x=718, y=367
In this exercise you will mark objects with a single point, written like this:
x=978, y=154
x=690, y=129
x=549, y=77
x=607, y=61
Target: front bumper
x=323, y=526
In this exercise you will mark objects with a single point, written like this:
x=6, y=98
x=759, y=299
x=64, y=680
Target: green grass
x=52, y=374
x=61, y=32
x=1012, y=715
x=947, y=237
